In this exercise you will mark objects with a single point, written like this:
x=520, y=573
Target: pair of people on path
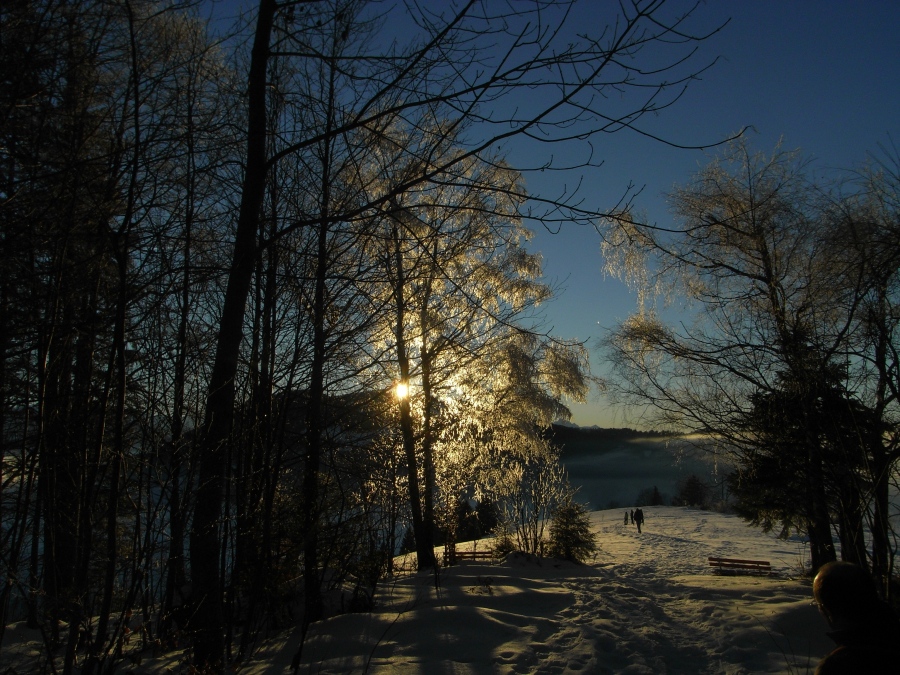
x=865, y=629
x=637, y=518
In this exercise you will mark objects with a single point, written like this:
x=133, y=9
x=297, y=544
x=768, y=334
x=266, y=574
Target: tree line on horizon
x=221, y=252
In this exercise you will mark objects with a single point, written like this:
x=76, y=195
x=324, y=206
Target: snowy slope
x=647, y=604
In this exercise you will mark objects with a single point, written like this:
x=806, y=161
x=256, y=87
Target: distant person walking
x=866, y=630
x=632, y=517
x=638, y=519
x=626, y=517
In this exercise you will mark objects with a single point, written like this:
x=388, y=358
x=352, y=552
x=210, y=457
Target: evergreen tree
x=692, y=492
x=571, y=535
x=810, y=450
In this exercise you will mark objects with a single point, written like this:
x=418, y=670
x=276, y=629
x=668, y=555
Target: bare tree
x=113, y=180
x=90, y=177
x=864, y=245
x=764, y=370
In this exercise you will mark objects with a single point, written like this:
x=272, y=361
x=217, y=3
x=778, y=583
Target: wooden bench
x=451, y=557
x=735, y=564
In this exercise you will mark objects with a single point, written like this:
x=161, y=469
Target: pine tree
x=571, y=535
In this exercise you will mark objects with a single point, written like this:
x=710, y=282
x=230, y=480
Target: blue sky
x=822, y=76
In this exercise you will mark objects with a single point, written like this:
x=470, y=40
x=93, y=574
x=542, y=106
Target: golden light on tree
x=401, y=390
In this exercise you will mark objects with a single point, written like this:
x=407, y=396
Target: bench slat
x=740, y=564
x=469, y=555
x=738, y=560
x=740, y=567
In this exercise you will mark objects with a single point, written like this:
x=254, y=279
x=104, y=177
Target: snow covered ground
x=648, y=603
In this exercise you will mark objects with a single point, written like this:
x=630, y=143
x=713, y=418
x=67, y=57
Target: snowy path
x=648, y=604
x=655, y=607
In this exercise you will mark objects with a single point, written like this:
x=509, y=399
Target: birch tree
x=755, y=249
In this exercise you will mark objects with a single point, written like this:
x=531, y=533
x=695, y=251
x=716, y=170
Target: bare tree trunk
x=850, y=525
x=24, y=503
x=254, y=524
x=117, y=365
x=821, y=543
x=880, y=529
x=430, y=481
x=205, y=541
x=424, y=543
x=880, y=467
x=61, y=493
x=312, y=583
x=175, y=572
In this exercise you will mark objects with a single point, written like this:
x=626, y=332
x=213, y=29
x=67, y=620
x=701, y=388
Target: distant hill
x=612, y=466
x=562, y=432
